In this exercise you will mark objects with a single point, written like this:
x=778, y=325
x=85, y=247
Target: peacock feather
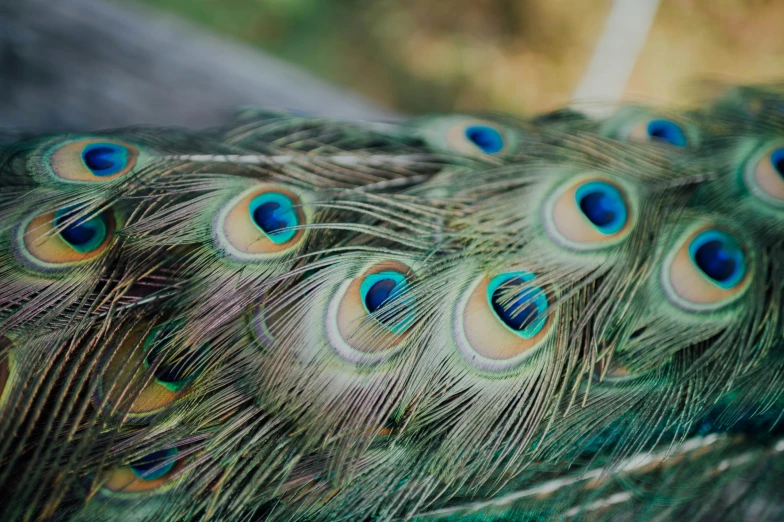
x=454, y=317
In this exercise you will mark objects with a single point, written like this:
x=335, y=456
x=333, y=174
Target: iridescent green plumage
x=449, y=318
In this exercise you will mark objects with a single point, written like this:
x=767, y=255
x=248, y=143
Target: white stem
x=615, y=55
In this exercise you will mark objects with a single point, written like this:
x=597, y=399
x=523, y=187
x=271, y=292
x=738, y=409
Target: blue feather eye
x=154, y=471
x=487, y=138
x=59, y=240
x=603, y=205
x=520, y=305
x=146, y=373
x=83, y=235
x=89, y=160
x=467, y=136
x=273, y=213
x=370, y=314
x=709, y=269
x=172, y=369
x=719, y=257
x=642, y=125
x=380, y=294
x=501, y=320
x=667, y=131
x=588, y=213
x=156, y=465
x=105, y=159
x=764, y=176
x=777, y=161
x=262, y=222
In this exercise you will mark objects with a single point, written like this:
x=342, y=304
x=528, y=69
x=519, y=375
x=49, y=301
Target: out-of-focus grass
x=511, y=55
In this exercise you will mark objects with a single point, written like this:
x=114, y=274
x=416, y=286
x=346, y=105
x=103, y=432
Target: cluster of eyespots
x=261, y=222
x=709, y=269
x=145, y=474
x=147, y=373
x=501, y=320
x=764, y=175
x=90, y=160
x=588, y=213
x=370, y=315
x=64, y=238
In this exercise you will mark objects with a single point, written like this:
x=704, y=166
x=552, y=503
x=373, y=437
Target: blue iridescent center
x=488, y=139
x=83, y=234
x=777, y=160
x=668, y=132
x=383, y=294
x=105, y=159
x=274, y=214
x=172, y=368
x=719, y=256
x=518, y=303
x=155, y=465
x=603, y=205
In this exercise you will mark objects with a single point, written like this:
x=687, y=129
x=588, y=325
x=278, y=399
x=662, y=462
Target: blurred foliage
x=512, y=55
x=421, y=55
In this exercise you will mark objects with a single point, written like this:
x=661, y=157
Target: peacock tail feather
x=454, y=317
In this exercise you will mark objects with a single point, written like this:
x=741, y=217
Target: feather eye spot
x=643, y=125
x=501, y=321
x=379, y=293
x=172, y=369
x=603, y=205
x=105, y=159
x=370, y=315
x=82, y=234
x=487, y=138
x=764, y=176
x=146, y=374
x=667, y=131
x=468, y=136
x=709, y=270
x=155, y=465
x=262, y=222
x=56, y=241
x=719, y=257
x=588, y=213
x=154, y=471
x=383, y=295
x=89, y=160
x=518, y=304
x=273, y=213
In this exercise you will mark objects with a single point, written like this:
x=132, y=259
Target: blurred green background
x=513, y=55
